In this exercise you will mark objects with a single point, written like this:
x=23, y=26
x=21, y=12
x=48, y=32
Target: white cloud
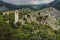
x=18, y=2
x=47, y=1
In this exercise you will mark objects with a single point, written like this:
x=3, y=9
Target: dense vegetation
x=28, y=31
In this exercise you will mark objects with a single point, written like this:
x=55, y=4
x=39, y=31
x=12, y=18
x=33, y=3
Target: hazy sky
x=18, y=2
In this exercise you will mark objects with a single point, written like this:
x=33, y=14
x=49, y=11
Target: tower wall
x=16, y=16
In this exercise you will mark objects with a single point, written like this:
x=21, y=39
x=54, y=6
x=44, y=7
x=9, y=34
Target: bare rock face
x=54, y=16
x=53, y=12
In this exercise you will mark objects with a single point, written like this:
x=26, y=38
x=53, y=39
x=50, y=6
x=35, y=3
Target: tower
x=16, y=16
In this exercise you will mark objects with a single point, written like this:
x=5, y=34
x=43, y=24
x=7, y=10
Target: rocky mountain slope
x=55, y=4
x=53, y=16
x=47, y=16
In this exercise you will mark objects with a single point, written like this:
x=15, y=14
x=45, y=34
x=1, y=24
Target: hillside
x=32, y=25
x=28, y=15
x=53, y=16
x=55, y=4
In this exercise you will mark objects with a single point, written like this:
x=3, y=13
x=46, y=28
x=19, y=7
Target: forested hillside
x=34, y=27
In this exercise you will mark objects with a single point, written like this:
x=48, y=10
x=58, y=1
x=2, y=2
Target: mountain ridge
x=55, y=4
x=32, y=6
